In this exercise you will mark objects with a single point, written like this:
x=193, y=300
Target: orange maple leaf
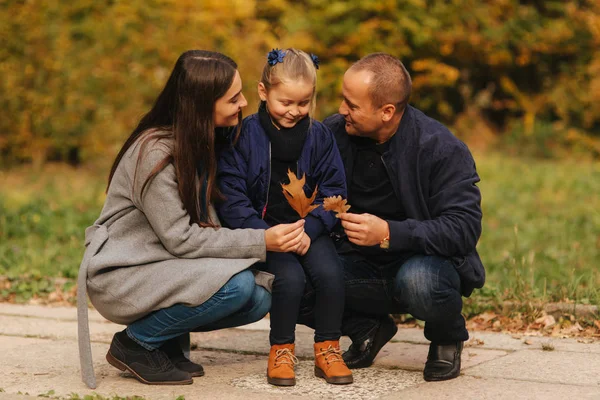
x=294, y=194
x=336, y=203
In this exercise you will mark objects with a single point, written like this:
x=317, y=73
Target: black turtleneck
x=286, y=147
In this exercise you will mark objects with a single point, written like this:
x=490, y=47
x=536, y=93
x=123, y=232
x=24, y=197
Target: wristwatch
x=385, y=243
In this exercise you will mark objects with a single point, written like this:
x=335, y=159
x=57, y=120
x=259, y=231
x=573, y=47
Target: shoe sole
x=368, y=363
x=281, y=381
x=440, y=378
x=336, y=380
x=123, y=367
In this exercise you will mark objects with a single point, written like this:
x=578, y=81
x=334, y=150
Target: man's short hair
x=391, y=83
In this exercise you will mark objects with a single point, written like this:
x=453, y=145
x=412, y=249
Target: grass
x=541, y=229
x=540, y=241
x=42, y=220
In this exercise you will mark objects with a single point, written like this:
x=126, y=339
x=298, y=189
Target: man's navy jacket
x=244, y=176
x=433, y=175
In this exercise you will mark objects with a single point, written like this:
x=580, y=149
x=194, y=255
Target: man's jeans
x=239, y=302
x=427, y=287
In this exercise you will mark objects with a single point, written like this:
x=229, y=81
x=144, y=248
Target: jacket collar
x=404, y=138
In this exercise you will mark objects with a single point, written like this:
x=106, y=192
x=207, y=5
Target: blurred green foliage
x=78, y=75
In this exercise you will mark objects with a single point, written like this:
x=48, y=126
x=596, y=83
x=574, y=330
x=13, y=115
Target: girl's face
x=228, y=107
x=287, y=102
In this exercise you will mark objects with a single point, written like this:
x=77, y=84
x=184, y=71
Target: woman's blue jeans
x=239, y=302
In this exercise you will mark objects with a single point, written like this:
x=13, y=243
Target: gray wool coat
x=143, y=254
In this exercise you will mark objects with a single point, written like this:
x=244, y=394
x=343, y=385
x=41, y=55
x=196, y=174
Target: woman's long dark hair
x=184, y=111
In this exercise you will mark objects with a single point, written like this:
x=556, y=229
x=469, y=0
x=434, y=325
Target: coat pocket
x=95, y=237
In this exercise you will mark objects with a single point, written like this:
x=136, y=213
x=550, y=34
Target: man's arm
x=454, y=205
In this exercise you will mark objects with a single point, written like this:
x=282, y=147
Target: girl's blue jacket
x=244, y=173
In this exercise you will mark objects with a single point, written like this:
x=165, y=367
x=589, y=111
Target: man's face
x=362, y=118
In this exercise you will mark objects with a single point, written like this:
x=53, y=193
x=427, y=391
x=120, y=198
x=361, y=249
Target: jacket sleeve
x=169, y=219
x=455, y=206
x=331, y=178
x=236, y=211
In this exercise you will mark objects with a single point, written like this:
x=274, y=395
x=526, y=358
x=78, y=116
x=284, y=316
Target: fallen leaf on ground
x=487, y=316
x=546, y=320
x=476, y=342
x=336, y=203
x=294, y=194
x=575, y=328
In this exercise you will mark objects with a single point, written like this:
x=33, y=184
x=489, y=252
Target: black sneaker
x=443, y=362
x=149, y=367
x=173, y=350
x=361, y=355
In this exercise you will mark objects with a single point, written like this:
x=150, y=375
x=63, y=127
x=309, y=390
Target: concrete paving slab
x=11, y=396
x=369, y=383
x=511, y=341
x=544, y=366
x=37, y=366
x=411, y=356
x=473, y=388
x=38, y=353
x=409, y=335
x=254, y=341
x=265, y=325
x=54, y=329
x=507, y=341
x=48, y=312
x=42, y=365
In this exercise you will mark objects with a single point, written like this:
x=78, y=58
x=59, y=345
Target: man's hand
x=304, y=245
x=364, y=229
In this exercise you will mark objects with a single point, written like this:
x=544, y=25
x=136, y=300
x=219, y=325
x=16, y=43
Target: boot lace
x=285, y=356
x=331, y=354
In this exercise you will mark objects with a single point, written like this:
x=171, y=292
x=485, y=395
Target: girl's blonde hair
x=296, y=66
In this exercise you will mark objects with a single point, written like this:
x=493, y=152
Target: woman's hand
x=284, y=238
x=304, y=245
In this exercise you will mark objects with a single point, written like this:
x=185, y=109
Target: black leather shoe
x=361, y=355
x=443, y=362
x=149, y=367
x=173, y=350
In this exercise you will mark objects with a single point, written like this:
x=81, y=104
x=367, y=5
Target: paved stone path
x=38, y=355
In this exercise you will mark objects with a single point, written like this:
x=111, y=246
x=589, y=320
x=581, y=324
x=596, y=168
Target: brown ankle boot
x=329, y=363
x=280, y=371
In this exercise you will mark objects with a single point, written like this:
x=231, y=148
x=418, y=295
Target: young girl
x=156, y=258
x=281, y=137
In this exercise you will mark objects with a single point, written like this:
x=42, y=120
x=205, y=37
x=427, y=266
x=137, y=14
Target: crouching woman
x=156, y=259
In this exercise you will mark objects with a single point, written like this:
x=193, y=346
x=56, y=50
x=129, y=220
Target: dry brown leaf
x=336, y=203
x=294, y=194
x=546, y=320
x=487, y=316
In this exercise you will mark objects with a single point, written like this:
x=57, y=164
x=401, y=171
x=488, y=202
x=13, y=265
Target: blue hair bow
x=275, y=56
x=315, y=60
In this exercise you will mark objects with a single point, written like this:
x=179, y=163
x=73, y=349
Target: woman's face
x=228, y=107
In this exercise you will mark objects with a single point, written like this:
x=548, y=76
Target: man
x=408, y=242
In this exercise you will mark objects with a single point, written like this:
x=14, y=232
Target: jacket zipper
x=264, y=211
x=390, y=176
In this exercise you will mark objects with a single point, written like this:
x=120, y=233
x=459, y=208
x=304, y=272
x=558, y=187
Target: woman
x=156, y=258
